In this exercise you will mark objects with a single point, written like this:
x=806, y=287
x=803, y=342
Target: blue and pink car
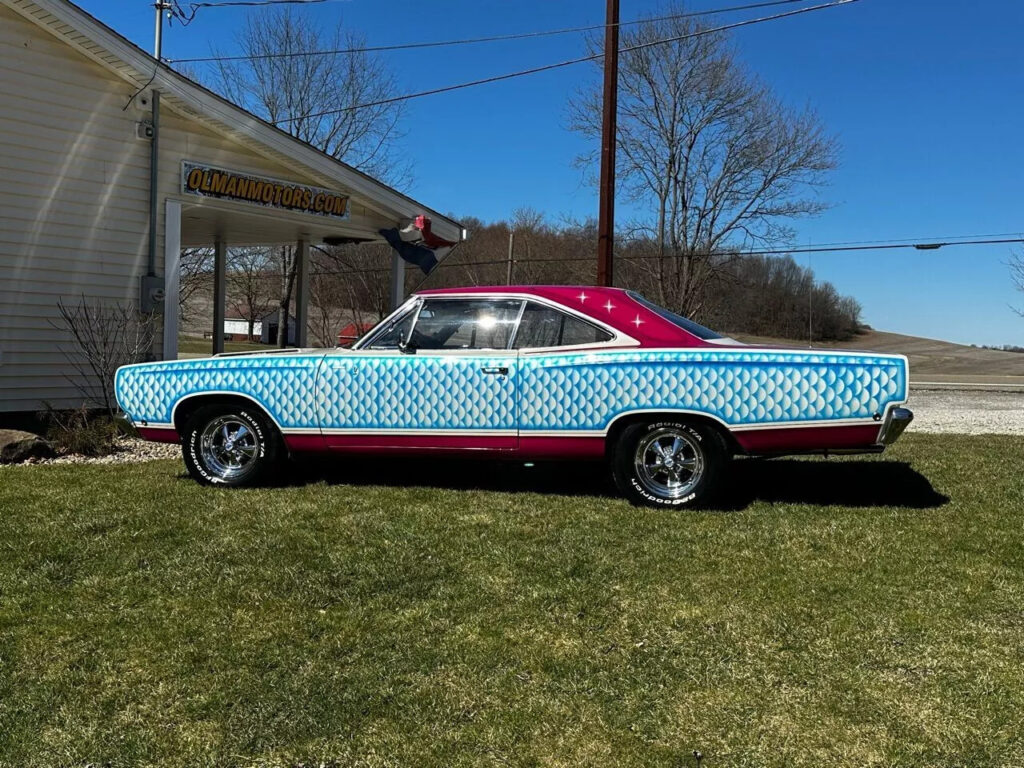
x=525, y=373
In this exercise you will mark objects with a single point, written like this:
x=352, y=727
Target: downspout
x=154, y=162
x=152, y=294
x=154, y=146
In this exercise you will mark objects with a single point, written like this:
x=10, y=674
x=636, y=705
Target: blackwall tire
x=669, y=464
x=231, y=445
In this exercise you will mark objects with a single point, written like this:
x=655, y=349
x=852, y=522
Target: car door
x=441, y=376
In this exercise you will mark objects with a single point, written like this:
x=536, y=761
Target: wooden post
x=511, y=246
x=172, y=277
x=606, y=208
x=220, y=266
x=397, y=280
x=302, y=295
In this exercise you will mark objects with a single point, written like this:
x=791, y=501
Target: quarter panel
x=743, y=389
x=283, y=385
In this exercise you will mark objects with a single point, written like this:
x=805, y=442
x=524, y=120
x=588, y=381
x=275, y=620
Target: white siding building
x=75, y=197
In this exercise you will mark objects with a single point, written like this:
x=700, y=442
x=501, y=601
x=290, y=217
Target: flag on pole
x=417, y=244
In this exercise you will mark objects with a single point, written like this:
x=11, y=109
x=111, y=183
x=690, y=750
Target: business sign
x=208, y=181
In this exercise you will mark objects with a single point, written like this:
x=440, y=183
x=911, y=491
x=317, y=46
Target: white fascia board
x=195, y=102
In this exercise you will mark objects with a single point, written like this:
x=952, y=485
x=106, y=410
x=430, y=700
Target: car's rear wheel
x=669, y=463
x=231, y=445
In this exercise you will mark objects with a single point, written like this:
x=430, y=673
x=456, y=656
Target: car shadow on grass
x=824, y=482
x=821, y=482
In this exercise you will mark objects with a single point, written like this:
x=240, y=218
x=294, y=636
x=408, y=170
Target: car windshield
x=388, y=334
x=686, y=324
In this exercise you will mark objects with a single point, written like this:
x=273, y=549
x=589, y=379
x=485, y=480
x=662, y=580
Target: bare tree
x=250, y=282
x=319, y=99
x=719, y=160
x=348, y=284
x=286, y=259
x=292, y=91
x=105, y=336
x=196, y=273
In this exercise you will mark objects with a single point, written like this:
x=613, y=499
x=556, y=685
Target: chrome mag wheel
x=669, y=462
x=229, y=447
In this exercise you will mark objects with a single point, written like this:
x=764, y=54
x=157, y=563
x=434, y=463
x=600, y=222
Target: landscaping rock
x=17, y=446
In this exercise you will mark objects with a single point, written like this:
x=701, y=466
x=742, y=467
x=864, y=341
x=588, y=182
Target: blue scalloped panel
x=283, y=384
x=588, y=391
x=417, y=392
x=567, y=391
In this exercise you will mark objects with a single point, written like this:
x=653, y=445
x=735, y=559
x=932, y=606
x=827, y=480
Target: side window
x=389, y=336
x=466, y=323
x=543, y=326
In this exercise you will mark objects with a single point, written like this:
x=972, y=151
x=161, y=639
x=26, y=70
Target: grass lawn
x=851, y=612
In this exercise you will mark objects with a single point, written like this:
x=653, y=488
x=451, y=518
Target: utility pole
x=606, y=213
x=161, y=6
x=511, y=245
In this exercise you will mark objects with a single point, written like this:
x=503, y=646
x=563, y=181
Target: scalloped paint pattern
x=557, y=392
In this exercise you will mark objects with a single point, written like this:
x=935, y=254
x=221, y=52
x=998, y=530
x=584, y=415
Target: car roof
x=612, y=306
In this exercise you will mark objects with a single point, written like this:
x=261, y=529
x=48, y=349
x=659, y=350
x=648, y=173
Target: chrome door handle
x=495, y=371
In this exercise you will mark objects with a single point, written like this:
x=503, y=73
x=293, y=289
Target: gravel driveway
x=967, y=412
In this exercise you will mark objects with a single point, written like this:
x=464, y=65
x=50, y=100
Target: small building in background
x=236, y=328
x=348, y=335
x=269, y=325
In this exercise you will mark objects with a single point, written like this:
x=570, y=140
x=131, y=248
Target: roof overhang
x=120, y=56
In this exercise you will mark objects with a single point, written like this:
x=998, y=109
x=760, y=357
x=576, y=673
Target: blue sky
x=924, y=97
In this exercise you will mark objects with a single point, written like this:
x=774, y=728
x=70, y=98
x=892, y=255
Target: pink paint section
x=611, y=306
x=808, y=438
x=305, y=443
x=550, y=447
x=158, y=435
x=554, y=448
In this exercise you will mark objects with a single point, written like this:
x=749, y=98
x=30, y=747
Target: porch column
x=220, y=266
x=397, y=280
x=172, y=277
x=302, y=294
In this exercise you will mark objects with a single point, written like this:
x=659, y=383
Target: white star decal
x=582, y=297
x=609, y=306
x=638, y=321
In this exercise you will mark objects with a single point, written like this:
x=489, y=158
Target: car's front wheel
x=231, y=445
x=669, y=463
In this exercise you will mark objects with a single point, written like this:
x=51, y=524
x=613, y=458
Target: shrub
x=83, y=432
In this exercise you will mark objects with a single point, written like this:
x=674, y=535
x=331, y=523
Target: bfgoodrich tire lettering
x=230, y=445
x=669, y=463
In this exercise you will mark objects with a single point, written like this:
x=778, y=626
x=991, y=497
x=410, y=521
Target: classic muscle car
x=527, y=373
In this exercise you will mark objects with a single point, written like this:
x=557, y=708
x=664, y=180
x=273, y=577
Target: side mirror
x=407, y=348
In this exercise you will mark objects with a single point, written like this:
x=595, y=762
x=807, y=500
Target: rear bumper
x=897, y=421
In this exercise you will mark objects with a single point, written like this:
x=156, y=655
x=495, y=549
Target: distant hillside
x=929, y=358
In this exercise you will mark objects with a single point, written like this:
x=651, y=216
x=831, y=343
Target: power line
x=921, y=245
x=489, y=39
x=570, y=62
x=258, y=2
x=186, y=18
x=943, y=239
